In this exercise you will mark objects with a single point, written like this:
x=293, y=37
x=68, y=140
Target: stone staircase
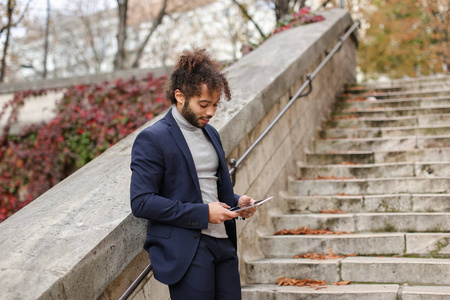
x=383, y=162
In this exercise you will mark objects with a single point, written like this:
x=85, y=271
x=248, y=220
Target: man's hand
x=245, y=201
x=219, y=213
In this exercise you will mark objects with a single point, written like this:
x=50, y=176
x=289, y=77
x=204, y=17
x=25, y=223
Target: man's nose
x=210, y=111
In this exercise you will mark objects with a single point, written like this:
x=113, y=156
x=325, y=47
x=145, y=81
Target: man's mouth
x=205, y=120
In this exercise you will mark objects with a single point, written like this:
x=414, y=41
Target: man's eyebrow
x=209, y=101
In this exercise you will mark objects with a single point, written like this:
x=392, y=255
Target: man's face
x=199, y=110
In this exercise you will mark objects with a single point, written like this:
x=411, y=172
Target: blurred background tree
x=11, y=17
x=397, y=38
x=404, y=38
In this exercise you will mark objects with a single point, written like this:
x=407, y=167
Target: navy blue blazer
x=165, y=190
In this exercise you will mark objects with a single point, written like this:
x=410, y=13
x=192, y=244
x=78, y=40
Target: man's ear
x=179, y=96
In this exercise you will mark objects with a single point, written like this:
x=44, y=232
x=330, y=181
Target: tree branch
x=155, y=25
x=18, y=20
x=244, y=11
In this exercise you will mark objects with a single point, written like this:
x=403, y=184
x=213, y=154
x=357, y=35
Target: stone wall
x=6, y=88
x=79, y=240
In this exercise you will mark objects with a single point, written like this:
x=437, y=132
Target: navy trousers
x=213, y=274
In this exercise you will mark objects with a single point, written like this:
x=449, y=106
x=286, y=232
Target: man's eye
x=204, y=106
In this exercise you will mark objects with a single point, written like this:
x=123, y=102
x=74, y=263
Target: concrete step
x=328, y=292
x=372, y=102
x=380, y=178
x=345, y=133
x=391, y=112
x=367, y=222
x=416, y=83
x=425, y=292
x=408, y=93
x=366, y=203
x=369, y=186
x=286, y=246
x=382, y=144
x=366, y=244
x=368, y=157
x=423, y=244
x=383, y=270
x=269, y=270
x=414, y=271
x=373, y=122
x=400, y=169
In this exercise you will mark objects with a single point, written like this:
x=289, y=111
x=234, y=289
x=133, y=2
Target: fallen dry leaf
x=308, y=231
x=317, y=284
x=352, y=116
x=334, y=177
x=332, y=211
x=341, y=283
x=282, y=281
x=348, y=163
x=331, y=255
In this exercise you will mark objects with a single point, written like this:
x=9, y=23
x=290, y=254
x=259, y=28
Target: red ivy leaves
x=89, y=120
x=302, y=17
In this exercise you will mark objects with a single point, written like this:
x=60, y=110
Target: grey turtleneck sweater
x=206, y=163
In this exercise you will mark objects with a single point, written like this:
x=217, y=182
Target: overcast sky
x=39, y=7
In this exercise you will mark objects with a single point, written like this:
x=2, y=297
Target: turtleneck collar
x=181, y=121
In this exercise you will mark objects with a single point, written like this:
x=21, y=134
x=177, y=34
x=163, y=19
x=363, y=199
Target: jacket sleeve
x=148, y=167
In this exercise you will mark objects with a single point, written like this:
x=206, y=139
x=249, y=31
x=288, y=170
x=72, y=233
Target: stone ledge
x=86, y=79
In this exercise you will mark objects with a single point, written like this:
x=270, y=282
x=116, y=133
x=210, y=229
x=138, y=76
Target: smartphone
x=257, y=203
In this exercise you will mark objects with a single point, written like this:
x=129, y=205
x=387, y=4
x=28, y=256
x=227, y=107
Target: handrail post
x=309, y=79
x=233, y=169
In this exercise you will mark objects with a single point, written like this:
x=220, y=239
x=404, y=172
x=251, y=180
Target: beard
x=190, y=116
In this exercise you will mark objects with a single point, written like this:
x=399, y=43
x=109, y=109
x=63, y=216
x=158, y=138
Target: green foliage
x=399, y=41
x=89, y=120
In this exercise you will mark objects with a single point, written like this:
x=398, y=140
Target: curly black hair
x=194, y=68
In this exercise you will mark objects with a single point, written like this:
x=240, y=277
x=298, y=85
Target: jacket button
x=196, y=235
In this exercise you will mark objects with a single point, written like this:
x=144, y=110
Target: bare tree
x=119, y=61
x=9, y=14
x=10, y=7
x=281, y=9
x=247, y=15
x=47, y=27
x=155, y=25
x=325, y=3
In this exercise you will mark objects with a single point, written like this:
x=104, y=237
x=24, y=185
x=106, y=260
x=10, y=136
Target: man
x=180, y=183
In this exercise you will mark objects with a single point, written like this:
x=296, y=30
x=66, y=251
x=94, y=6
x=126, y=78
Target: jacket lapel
x=181, y=142
x=217, y=147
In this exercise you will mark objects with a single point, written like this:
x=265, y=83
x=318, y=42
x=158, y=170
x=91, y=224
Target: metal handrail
x=309, y=77
x=136, y=282
x=235, y=164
